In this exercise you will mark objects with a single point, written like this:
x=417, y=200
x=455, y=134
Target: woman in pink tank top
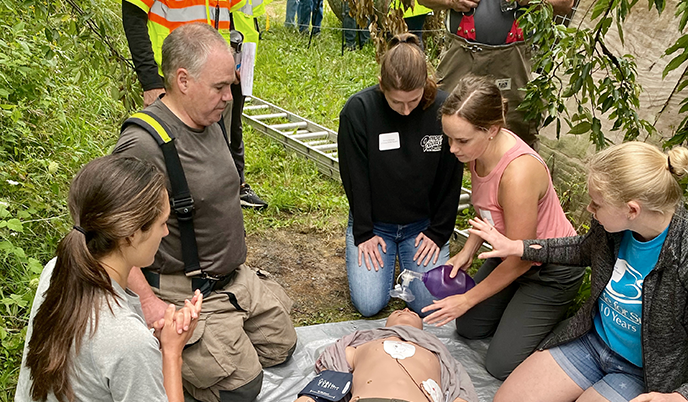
x=515, y=302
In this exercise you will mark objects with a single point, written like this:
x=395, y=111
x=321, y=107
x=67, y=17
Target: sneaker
x=249, y=199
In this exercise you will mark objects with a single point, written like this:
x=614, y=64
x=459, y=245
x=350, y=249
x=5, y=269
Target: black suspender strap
x=224, y=132
x=181, y=201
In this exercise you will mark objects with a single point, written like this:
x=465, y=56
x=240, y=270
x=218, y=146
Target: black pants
x=234, y=127
x=352, y=36
x=521, y=315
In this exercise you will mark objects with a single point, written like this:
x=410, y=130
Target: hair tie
x=669, y=164
x=79, y=229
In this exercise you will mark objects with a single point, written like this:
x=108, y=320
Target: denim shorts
x=589, y=362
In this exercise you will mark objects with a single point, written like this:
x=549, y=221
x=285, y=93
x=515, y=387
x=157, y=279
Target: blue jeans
x=306, y=7
x=370, y=289
x=589, y=362
x=292, y=6
x=352, y=36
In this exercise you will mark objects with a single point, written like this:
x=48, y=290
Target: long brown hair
x=109, y=200
x=403, y=68
x=478, y=100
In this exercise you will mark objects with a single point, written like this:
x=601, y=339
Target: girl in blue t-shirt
x=629, y=341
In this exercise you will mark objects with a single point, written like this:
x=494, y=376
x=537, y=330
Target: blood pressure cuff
x=329, y=386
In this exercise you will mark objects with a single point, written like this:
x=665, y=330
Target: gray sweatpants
x=521, y=315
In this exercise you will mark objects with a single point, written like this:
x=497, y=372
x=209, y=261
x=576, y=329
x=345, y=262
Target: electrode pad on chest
x=433, y=389
x=399, y=350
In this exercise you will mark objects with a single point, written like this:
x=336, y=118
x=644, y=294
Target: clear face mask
x=401, y=289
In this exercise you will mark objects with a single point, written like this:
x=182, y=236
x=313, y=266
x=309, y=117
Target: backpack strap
x=181, y=201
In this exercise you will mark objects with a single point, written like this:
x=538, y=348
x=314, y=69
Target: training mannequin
x=399, y=362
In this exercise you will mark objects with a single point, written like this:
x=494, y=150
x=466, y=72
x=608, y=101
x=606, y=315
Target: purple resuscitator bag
x=440, y=285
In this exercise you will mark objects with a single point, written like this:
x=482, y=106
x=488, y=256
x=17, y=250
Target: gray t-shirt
x=120, y=362
x=214, y=184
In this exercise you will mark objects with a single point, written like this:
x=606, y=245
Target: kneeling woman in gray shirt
x=87, y=339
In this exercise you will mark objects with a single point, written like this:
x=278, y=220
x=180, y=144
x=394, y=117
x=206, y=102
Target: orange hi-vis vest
x=164, y=16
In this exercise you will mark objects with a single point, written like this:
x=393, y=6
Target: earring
x=490, y=139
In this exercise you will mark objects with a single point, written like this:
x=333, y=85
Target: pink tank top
x=485, y=190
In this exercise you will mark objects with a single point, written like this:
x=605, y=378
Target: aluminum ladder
x=309, y=139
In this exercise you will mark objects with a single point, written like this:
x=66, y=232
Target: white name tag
x=487, y=216
x=389, y=141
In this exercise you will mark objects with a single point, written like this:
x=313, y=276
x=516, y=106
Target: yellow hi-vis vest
x=243, y=18
x=244, y=24
x=164, y=16
x=416, y=10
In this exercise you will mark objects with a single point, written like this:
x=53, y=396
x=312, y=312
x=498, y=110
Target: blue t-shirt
x=618, y=320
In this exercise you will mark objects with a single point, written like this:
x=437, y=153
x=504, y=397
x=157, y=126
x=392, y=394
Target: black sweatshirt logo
x=431, y=143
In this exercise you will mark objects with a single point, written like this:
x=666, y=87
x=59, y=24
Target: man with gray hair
x=245, y=323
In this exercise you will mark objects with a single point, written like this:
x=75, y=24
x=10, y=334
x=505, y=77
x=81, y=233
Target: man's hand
x=150, y=96
x=658, y=397
x=153, y=310
x=462, y=6
x=368, y=251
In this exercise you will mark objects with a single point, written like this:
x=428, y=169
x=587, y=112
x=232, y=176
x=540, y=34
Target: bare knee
x=538, y=378
x=591, y=395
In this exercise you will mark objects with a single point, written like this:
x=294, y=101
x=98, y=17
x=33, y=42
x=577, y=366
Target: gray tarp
x=283, y=382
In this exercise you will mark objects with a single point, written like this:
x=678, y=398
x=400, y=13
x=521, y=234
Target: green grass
x=315, y=83
x=297, y=193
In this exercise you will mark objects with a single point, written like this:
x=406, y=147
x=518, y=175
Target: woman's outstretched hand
x=502, y=246
x=448, y=309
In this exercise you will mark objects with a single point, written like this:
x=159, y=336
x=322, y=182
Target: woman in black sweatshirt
x=402, y=182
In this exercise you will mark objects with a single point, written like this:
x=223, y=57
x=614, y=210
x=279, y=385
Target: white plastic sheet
x=283, y=382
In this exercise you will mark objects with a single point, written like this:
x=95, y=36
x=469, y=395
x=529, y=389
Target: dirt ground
x=310, y=265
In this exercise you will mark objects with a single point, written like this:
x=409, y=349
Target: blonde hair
x=641, y=172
